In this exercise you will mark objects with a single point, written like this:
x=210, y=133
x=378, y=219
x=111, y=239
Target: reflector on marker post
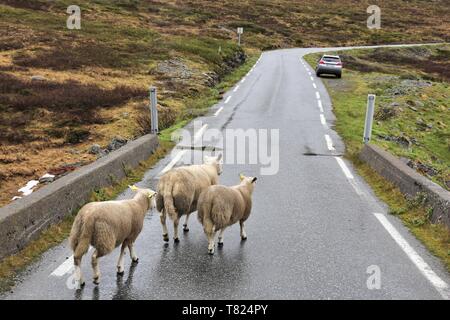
x=369, y=118
x=153, y=111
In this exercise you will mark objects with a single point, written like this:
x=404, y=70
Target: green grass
x=370, y=71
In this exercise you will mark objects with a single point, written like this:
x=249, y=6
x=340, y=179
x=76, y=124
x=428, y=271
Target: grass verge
x=349, y=96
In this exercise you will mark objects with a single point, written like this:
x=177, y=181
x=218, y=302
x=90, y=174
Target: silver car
x=329, y=65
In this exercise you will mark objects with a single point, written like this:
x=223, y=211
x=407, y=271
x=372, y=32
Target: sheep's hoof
x=185, y=228
x=166, y=237
x=220, y=244
x=96, y=281
x=120, y=273
x=243, y=238
x=82, y=284
x=176, y=240
x=211, y=251
x=135, y=260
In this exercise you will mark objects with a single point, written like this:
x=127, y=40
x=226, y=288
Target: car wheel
x=318, y=74
x=339, y=76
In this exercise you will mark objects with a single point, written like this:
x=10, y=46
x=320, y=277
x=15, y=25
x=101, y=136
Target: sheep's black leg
x=185, y=225
x=162, y=218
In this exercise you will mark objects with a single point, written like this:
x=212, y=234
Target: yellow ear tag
x=241, y=176
x=152, y=193
x=133, y=188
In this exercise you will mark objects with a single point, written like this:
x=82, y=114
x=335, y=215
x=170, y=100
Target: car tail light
x=339, y=64
x=321, y=62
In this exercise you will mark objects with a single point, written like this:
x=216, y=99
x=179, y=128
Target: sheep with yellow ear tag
x=106, y=225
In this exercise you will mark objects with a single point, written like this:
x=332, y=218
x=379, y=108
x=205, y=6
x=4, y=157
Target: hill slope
x=92, y=83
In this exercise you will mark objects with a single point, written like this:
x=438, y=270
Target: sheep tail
x=169, y=207
x=204, y=214
x=81, y=236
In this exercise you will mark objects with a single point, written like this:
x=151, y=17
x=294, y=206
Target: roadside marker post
x=153, y=111
x=240, y=31
x=369, y=118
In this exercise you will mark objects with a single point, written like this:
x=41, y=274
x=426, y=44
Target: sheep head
x=249, y=180
x=216, y=161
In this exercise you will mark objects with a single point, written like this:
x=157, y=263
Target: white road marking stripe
x=236, y=88
x=65, y=267
x=323, y=120
x=440, y=285
x=314, y=85
x=310, y=75
x=329, y=142
x=319, y=103
x=317, y=95
x=344, y=168
x=200, y=132
x=218, y=111
x=228, y=99
x=312, y=79
x=243, y=80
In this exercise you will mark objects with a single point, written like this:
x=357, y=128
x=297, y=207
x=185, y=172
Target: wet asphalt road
x=312, y=234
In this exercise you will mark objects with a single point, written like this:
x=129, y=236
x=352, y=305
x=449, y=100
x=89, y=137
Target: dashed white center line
x=314, y=85
x=317, y=95
x=323, y=120
x=236, y=88
x=329, y=142
x=312, y=79
x=440, y=285
x=218, y=111
x=228, y=99
x=319, y=104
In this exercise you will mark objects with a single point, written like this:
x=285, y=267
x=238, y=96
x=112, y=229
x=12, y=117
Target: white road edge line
x=218, y=111
x=228, y=99
x=65, y=267
x=344, y=168
x=440, y=285
x=236, y=88
x=317, y=95
x=314, y=85
x=329, y=142
x=243, y=80
x=319, y=104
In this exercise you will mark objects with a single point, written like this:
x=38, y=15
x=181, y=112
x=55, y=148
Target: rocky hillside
x=67, y=95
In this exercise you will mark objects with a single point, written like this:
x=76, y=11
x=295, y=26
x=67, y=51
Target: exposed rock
x=47, y=178
x=175, y=69
x=38, y=78
x=422, y=168
x=95, y=149
x=116, y=143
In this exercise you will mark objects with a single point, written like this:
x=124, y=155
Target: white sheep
x=179, y=189
x=220, y=207
x=106, y=225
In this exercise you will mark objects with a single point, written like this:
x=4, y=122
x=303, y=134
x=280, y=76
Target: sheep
x=220, y=207
x=179, y=189
x=106, y=225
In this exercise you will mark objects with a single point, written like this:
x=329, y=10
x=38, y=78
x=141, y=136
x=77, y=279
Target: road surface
x=316, y=230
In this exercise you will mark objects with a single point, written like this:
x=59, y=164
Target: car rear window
x=331, y=59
